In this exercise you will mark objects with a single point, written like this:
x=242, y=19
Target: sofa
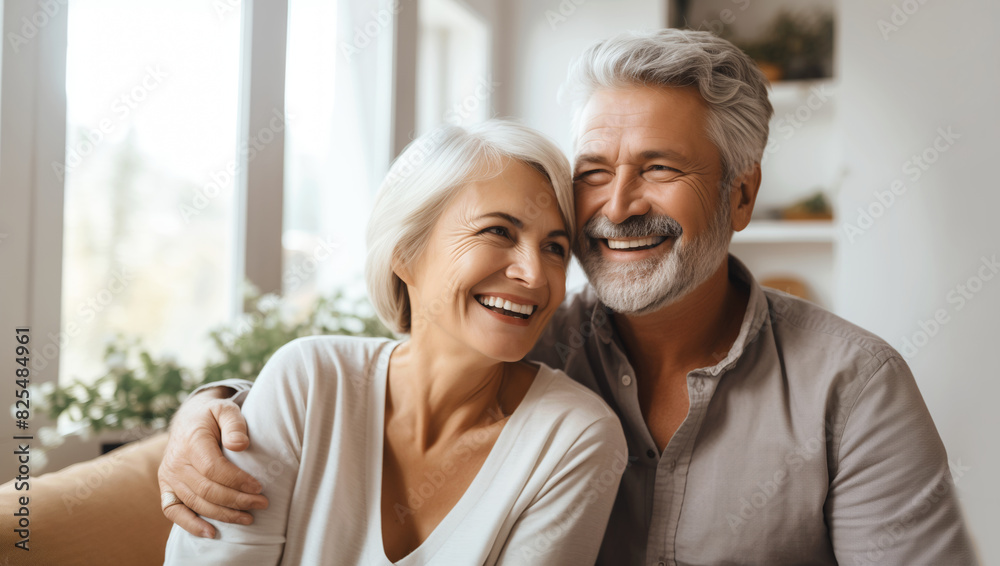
x=104, y=511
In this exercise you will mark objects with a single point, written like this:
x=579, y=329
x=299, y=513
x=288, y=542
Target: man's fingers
x=215, y=468
x=210, y=510
x=232, y=425
x=223, y=496
x=179, y=514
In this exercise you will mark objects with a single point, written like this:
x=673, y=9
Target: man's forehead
x=640, y=120
x=634, y=141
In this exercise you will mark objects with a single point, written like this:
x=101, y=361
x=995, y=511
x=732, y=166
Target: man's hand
x=195, y=470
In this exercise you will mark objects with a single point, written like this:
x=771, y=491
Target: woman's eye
x=497, y=230
x=558, y=249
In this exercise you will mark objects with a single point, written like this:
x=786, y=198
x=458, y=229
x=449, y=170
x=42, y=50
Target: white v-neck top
x=316, y=416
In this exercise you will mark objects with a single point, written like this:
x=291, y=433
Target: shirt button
x=650, y=453
x=699, y=385
x=626, y=380
x=673, y=464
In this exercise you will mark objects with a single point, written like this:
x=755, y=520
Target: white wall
x=543, y=37
x=938, y=70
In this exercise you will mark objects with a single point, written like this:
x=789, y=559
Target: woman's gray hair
x=423, y=180
x=729, y=81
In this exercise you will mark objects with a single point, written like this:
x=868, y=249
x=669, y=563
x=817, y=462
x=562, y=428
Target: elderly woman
x=446, y=447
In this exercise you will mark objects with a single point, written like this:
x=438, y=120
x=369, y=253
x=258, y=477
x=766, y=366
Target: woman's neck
x=440, y=388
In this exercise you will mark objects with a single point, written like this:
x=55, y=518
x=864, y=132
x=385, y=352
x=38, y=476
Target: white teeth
x=506, y=305
x=638, y=243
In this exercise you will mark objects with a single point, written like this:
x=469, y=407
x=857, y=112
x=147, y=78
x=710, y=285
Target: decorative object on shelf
x=815, y=207
x=140, y=392
x=796, y=46
x=788, y=284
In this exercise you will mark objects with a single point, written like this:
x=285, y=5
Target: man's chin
x=626, y=289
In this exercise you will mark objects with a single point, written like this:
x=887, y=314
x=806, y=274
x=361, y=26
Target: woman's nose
x=527, y=268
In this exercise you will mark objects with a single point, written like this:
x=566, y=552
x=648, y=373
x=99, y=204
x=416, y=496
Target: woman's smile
x=510, y=309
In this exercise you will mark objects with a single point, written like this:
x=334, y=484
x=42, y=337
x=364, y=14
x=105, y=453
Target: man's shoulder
x=578, y=305
x=810, y=331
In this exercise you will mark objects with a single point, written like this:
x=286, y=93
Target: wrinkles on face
x=650, y=143
x=495, y=236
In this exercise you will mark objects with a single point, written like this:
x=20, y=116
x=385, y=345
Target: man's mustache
x=600, y=228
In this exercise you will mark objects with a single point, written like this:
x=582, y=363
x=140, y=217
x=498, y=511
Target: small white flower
x=115, y=360
x=50, y=437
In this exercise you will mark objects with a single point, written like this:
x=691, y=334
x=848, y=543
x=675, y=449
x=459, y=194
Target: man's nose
x=627, y=198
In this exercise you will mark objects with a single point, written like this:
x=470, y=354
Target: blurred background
x=157, y=157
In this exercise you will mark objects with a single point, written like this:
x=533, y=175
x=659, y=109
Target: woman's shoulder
x=339, y=346
x=564, y=398
x=327, y=359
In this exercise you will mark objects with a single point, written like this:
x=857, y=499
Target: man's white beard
x=647, y=285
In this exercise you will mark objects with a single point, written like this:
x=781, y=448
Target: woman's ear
x=402, y=271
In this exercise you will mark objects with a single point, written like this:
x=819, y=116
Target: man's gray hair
x=729, y=81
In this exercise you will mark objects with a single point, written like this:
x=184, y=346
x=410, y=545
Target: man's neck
x=696, y=331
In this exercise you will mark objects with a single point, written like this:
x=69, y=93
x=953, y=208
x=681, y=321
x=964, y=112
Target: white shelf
x=786, y=95
x=787, y=232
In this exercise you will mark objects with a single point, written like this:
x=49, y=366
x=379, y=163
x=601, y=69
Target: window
x=151, y=136
x=454, y=82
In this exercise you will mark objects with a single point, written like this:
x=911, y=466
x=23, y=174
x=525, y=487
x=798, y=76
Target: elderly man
x=761, y=428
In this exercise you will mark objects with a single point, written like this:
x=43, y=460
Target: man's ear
x=742, y=196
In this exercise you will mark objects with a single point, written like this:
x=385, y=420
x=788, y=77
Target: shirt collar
x=753, y=318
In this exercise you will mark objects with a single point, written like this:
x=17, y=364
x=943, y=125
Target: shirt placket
x=671, y=474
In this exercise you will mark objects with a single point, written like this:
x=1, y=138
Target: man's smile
x=630, y=244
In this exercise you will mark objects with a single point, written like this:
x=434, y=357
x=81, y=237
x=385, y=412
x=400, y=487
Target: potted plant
x=140, y=391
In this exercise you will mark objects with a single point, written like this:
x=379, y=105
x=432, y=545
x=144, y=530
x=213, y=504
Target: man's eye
x=661, y=170
x=594, y=177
